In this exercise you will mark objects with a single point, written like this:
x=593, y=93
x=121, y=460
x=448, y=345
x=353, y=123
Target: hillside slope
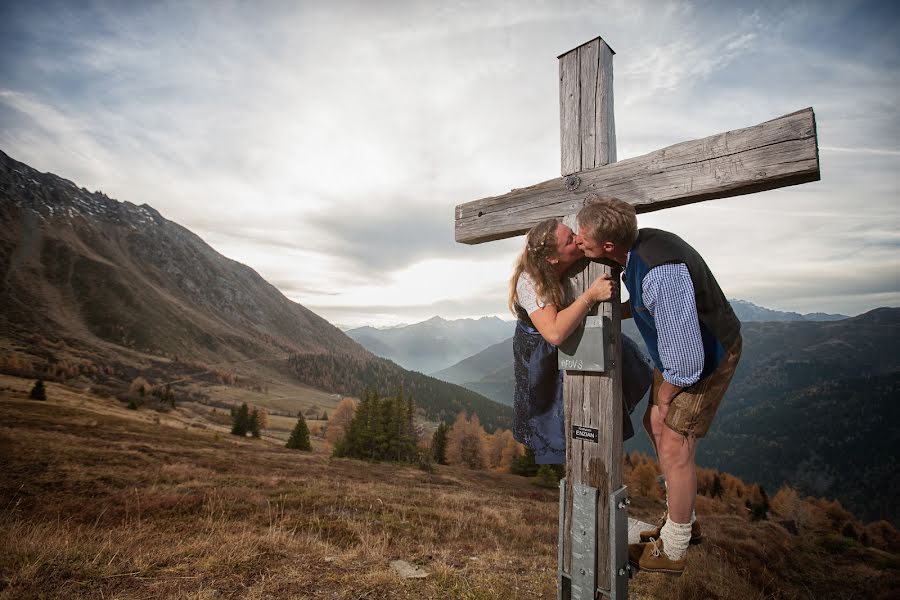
x=106, y=502
x=119, y=291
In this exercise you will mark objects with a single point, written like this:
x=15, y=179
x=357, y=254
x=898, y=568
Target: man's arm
x=668, y=294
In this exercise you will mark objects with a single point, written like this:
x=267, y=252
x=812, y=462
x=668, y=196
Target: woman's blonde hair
x=540, y=244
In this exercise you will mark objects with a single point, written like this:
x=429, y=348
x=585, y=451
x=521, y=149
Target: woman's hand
x=602, y=289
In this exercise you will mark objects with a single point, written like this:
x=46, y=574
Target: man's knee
x=675, y=449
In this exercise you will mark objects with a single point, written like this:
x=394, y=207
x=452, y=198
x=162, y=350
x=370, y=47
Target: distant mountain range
x=748, y=312
x=813, y=404
x=434, y=344
x=94, y=281
x=453, y=350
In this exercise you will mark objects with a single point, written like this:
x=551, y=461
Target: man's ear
x=609, y=247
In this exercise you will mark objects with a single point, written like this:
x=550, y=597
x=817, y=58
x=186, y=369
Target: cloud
x=325, y=145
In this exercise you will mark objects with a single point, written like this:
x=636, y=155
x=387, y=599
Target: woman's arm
x=555, y=326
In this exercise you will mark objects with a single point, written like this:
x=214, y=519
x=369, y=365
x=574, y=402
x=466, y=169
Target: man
x=693, y=337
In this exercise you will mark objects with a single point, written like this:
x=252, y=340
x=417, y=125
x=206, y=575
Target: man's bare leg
x=676, y=459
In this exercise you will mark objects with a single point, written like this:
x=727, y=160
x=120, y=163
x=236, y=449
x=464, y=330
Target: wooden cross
x=777, y=153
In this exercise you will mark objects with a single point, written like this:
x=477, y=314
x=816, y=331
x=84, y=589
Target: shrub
x=38, y=392
x=547, y=477
x=524, y=465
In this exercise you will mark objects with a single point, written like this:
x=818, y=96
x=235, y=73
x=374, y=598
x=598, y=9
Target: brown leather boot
x=634, y=554
x=655, y=560
x=653, y=534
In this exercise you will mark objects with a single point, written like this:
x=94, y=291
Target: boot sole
x=693, y=542
x=674, y=572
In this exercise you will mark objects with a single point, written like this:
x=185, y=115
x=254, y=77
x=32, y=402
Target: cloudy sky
x=325, y=144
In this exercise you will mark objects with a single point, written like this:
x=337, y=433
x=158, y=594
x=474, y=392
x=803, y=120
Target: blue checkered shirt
x=668, y=294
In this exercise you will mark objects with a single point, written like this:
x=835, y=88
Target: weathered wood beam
x=592, y=400
x=777, y=153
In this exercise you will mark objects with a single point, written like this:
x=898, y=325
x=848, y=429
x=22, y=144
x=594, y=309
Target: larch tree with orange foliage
x=511, y=451
x=465, y=443
x=339, y=420
x=502, y=449
x=645, y=480
x=790, y=506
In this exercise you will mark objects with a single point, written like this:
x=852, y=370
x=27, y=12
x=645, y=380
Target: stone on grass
x=408, y=571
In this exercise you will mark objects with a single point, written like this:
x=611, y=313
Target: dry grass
x=101, y=502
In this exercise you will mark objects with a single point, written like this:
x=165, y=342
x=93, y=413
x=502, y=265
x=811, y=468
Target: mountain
x=108, y=290
x=434, y=344
x=490, y=371
x=749, y=312
x=813, y=404
x=480, y=365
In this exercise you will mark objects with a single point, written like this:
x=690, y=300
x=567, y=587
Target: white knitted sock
x=693, y=516
x=675, y=537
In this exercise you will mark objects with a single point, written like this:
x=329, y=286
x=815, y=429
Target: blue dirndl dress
x=538, y=400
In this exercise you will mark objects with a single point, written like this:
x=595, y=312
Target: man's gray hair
x=608, y=219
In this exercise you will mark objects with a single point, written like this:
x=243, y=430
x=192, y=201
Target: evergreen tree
x=299, y=439
x=439, y=444
x=240, y=420
x=524, y=465
x=547, y=476
x=253, y=423
x=717, y=489
x=381, y=429
x=38, y=392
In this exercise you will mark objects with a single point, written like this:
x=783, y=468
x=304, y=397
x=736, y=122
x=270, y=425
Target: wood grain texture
x=777, y=153
x=592, y=400
x=588, y=72
x=569, y=122
x=605, y=115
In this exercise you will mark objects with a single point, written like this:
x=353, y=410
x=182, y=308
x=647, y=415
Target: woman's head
x=550, y=249
x=553, y=243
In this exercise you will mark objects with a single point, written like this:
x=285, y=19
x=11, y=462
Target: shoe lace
x=655, y=549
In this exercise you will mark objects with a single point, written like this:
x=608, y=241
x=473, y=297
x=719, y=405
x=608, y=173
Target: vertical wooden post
x=588, y=139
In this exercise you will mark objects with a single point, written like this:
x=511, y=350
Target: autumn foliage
x=466, y=444
x=339, y=420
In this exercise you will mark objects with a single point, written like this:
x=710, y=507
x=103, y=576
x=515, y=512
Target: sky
x=326, y=144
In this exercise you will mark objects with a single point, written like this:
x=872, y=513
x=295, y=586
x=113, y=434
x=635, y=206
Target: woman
x=547, y=314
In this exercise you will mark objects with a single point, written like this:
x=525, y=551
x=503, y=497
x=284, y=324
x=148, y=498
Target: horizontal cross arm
x=777, y=153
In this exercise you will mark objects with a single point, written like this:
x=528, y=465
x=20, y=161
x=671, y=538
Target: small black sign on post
x=585, y=433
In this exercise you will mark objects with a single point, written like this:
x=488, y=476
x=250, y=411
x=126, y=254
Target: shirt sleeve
x=668, y=293
x=527, y=294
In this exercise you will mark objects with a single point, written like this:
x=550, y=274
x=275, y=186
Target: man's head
x=607, y=228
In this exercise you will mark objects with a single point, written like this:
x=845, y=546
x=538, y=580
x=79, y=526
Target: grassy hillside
x=100, y=502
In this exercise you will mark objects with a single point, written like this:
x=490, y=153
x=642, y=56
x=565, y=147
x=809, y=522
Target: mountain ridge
x=433, y=344
x=89, y=280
